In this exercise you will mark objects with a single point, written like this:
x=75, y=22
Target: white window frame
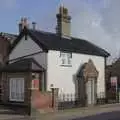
x=67, y=58
x=16, y=91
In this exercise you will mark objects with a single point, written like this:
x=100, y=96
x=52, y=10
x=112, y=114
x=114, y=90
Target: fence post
x=55, y=98
x=118, y=95
x=52, y=89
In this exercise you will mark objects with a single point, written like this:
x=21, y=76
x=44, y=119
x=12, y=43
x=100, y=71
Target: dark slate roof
x=22, y=65
x=52, y=41
x=9, y=36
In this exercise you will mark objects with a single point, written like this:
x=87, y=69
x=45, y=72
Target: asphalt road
x=115, y=115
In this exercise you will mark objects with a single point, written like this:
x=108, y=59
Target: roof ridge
x=52, y=33
x=51, y=41
x=41, y=31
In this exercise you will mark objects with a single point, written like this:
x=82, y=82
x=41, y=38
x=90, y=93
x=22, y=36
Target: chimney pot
x=20, y=27
x=34, y=25
x=23, y=23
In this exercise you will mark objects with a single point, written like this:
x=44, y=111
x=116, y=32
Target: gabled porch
x=18, y=78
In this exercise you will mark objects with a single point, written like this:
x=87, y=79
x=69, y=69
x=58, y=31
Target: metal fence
x=67, y=101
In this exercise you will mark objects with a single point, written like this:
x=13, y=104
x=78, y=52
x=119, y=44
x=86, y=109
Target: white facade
x=61, y=77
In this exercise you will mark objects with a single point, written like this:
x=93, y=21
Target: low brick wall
x=45, y=101
x=40, y=100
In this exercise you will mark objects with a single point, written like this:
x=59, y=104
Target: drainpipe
x=105, y=77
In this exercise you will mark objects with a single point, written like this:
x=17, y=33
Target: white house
x=62, y=57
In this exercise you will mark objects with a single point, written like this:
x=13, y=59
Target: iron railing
x=67, y=101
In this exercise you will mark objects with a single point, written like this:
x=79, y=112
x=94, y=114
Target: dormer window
x=66, y=59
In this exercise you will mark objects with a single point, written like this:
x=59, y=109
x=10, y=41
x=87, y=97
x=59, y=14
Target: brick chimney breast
x=63, y=27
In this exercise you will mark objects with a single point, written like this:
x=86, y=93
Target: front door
x=16, y=89
x=91, y=92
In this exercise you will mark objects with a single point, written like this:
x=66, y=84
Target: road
x=115, y=115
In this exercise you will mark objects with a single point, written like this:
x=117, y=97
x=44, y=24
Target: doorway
x=87, y=76
x=91, y=91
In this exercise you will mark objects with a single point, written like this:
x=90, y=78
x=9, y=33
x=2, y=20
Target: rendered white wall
x=62, y=77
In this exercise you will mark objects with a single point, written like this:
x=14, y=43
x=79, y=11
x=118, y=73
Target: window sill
x=66, y=65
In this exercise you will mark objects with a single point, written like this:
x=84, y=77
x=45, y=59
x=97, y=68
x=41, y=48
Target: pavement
x=79, y=113
x=87, y=113
x=7, y=113
x=114, y=115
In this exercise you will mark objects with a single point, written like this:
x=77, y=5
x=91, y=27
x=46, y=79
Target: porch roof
x=23, y=65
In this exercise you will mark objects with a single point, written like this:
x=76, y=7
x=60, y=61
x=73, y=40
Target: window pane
x=63, y=54
x=65, y=58
x=69, y=61
x=63, y=61
x=69, y=55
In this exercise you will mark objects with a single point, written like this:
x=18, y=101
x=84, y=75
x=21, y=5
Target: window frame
x=66, y=56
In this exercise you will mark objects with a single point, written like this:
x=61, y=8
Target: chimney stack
x=23, y=23
x=63, y=22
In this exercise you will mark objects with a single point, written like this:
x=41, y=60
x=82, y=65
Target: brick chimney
x=23, y=23
x=63, y=27
x=4, y=49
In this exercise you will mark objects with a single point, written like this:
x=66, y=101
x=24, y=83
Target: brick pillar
x=5, y=90
x=28, y=91
x=55, y=98
x=33, y=110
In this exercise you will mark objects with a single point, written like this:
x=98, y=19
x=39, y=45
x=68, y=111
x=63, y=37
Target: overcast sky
x=95, y=20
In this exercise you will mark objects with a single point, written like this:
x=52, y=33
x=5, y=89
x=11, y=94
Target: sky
x=97, y=21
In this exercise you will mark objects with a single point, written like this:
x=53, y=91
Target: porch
x=17, y=81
